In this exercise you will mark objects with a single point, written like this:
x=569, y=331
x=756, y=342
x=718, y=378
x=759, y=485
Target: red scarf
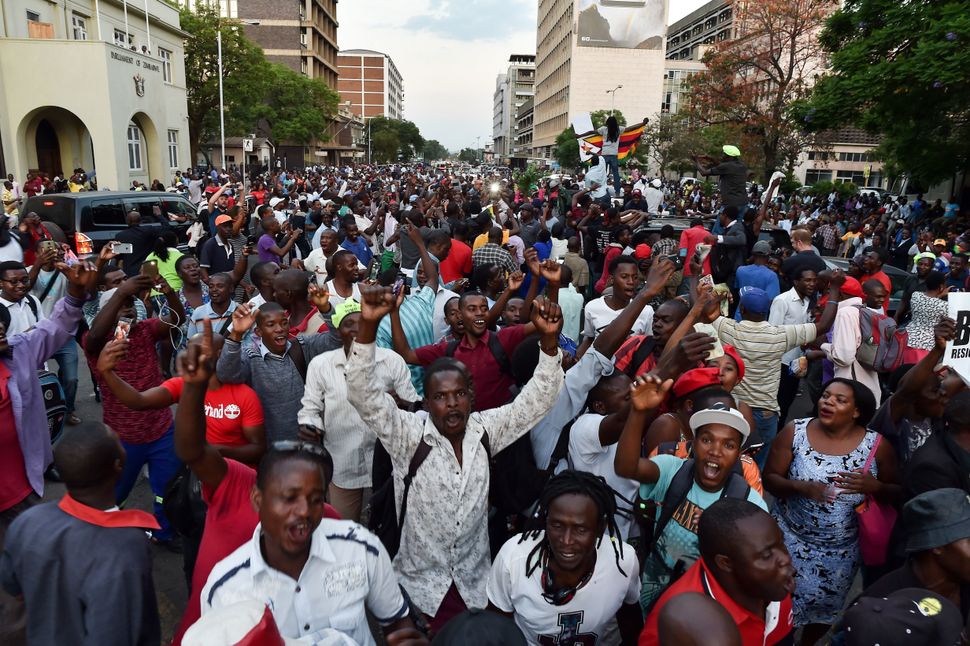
x=120, y=518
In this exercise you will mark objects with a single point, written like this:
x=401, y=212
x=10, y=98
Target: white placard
x=957, y=354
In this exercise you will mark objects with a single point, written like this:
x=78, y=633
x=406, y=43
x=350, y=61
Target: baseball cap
x=694, y=380
x=273, y=201
x=907, y=616
x=731, y=151
x=939, y=241
x=755, y=300
x=761, y=248
x=637, y=193
x=720, y=414
x=642, y=251
x=341, y=311
x=413, y=198
x=480, y=628
x=936, y=518
x=732, y=352
x=656, y=183
x=851, y=287
x=222, y=219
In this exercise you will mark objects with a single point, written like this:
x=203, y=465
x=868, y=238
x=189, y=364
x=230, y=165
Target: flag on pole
x=629, y=139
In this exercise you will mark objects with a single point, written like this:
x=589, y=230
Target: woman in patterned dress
x=928, y=308
x=815, y=472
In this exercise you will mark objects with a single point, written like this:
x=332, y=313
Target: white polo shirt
x=22, y=316
x=581, y=621
x=348, y=570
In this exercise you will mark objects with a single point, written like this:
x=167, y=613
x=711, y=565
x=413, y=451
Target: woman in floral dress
x=928, y=308
x=814, y=471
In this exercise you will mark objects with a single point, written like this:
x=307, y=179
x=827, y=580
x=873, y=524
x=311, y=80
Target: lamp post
x=222, y=107
x=613, y=97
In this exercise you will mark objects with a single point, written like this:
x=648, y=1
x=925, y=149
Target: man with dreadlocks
x=569, y=574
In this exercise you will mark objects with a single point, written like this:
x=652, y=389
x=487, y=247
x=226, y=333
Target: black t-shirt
x=939, y=464
x=731, y=178
x=904, y=578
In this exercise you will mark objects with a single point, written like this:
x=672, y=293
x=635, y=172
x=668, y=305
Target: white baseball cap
x=720, y=414
x=656, y=183
x=273, y=201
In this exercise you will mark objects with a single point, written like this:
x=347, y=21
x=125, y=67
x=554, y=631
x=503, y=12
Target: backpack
x=651, y=531
x=882, y=343
x=644, y=348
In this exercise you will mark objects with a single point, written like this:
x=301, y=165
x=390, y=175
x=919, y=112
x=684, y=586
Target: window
x=173, y=148
x=857, y=177
x=814, y=175
x=107, y=213
x=33, y=16
x=166, y=57
x=79, y=27
x=120, y=38
x=854, y=157
x=134, y=146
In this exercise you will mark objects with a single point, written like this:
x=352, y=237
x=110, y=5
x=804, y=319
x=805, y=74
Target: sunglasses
x=296, y=446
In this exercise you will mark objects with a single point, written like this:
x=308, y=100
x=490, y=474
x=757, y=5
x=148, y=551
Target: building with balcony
x=371, y=82
x=711, y=24
x=98, y=85
x=522, y=141
x=674, y=95
x=512, y=89
x=846, y=157
x=587, y=48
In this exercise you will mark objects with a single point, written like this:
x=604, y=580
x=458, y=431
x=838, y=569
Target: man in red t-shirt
x=745, y=567
x=872, y=263
x=146, y=435
x=689, y=239
x=458, y=263
x=233, y=412
x=226, y=484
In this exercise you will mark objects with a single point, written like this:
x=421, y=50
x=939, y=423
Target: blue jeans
x=766, y=421
x=613, y=166
x=162, y=465
x=66, y=359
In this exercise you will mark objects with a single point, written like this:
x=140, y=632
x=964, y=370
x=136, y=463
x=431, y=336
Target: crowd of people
x=413, y=404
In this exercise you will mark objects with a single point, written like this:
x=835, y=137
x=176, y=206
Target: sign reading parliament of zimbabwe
x=957, y=354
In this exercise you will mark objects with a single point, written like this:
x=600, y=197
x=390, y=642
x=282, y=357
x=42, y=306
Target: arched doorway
x=48, y=148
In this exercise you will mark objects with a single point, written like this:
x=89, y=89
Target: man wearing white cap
x=683, y=488
x=654, y=196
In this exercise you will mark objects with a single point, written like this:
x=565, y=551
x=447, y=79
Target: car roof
x=103, y=194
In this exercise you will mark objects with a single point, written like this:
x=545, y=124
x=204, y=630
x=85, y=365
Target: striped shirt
x=761, y=346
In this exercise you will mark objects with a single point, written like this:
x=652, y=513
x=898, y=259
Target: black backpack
x=644, y=348
x=652, y=530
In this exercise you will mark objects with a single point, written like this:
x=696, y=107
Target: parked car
x=897, y=278
x=777, y=236
x=100, y=215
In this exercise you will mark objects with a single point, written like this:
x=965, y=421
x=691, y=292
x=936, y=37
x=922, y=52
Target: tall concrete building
x=371, y=82
x=586, y=49
x=522, y=144
x=711, y=24
x=512, y=89
x=127, y=120
x=301, y=34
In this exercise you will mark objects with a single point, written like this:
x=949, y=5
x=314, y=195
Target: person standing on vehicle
x=731, y=177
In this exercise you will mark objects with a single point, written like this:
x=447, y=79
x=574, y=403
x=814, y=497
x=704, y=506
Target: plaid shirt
x=493, y=254
x=830, y=236
x=664, y=247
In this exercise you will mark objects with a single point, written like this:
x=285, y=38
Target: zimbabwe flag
x=629, y=139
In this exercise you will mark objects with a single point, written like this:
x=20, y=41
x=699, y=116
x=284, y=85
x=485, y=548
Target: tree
x=433, y=150
x=901, y=69
x=295, y=108
x=751, y=82
x=398, y=138
x=566, y=152
x=668, y=143
x=470, y=155
x=243, y=64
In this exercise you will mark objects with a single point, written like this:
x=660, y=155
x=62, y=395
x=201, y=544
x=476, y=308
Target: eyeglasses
x=300, y=447
x=16, y=281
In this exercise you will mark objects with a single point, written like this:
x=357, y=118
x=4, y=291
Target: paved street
x=169, y=581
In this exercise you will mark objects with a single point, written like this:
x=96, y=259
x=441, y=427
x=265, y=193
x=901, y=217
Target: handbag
x=876, y=521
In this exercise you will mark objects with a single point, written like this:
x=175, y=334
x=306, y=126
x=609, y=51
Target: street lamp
x=222, y=107
x=613, y=97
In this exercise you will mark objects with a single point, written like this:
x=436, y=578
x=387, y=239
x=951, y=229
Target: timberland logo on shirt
x=228, y=412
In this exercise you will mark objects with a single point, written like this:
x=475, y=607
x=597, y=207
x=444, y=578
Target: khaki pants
x=349, y=503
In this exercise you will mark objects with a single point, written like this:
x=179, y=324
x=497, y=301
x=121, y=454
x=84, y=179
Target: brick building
x=371, y=82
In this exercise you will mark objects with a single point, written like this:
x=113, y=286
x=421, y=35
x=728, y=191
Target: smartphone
x=706, y=279
x=121, y=247
x=70, y=258
x=51, y=245
x=398, y=286
x=375, y=269
x=122, y=329
x=150, y=268
x=678, y=262
x=251, y=241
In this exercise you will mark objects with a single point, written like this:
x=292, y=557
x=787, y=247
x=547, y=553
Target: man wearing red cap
x=846, y=339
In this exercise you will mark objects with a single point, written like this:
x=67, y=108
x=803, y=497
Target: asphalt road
x=170, y=586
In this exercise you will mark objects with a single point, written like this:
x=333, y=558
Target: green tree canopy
x=470, y=155
x=433, y=150
x=901, y=69
x=295, y=108
x=398, y=138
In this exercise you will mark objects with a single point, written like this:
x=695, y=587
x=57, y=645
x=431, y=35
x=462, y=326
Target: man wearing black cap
x=937, y=526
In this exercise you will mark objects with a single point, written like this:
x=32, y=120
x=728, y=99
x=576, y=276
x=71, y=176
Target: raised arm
x=515, y=281
x=427, y=264
x=153, y=398
x=647, y=393
x=763, y=211
x=103, y=325
x=196, y=367
x=920, y=374
x=613, y=336
x=232, y=366
x=825, y=321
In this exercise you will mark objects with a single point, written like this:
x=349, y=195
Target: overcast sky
x=449, y=53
